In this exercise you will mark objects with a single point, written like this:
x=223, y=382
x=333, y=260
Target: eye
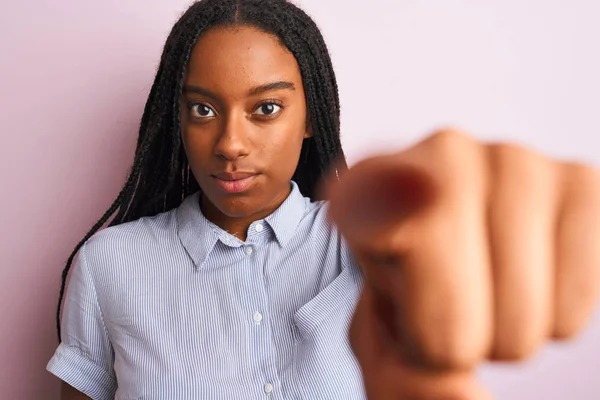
x=201, y=111
x=268, y=109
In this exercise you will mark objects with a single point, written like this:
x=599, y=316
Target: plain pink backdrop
x=73, y=80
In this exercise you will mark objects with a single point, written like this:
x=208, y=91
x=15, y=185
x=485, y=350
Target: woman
x=222, y=277
x=242, y=289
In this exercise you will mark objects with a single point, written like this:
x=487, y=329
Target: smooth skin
x=470, y=251
x=243, y=112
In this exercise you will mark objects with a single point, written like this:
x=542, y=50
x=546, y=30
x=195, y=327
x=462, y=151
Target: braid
x=160, y=177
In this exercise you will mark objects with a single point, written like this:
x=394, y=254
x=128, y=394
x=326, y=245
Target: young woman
x=242, y=288
x=221, y=275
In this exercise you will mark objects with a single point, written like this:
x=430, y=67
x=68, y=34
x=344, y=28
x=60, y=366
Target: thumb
x=376, y=195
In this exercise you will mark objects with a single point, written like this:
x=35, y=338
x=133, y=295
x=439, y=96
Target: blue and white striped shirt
x=173, y=307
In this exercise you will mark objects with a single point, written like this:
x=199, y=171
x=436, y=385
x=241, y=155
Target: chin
x=237, y=207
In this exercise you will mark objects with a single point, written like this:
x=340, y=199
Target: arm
x=67, y=392
x=84, y=359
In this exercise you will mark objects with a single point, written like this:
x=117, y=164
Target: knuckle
x=508, y=154
x=518, y=349
x=569, y=324
x=581, y=185
x=508, y=151
x=565, y=331
x=449, y=134
x=455, y=159
x=582, y=174
x=453, y=352
x=515, y=166
x=450, y=141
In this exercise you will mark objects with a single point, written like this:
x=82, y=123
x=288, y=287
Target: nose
x=233, y=143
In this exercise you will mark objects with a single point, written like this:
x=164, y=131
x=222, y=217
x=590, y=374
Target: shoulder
x=317, y=216
x=131, y=241
x=155, y=228
x=323, y=230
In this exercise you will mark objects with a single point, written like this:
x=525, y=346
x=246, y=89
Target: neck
x=238, y=226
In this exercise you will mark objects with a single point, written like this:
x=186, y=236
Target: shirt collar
x=285, y=220
x=199, y=236
x=194, y=230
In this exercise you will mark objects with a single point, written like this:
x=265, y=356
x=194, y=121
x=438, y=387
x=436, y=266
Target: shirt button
x=248, y=250
x=268, y=388
x=259, y=227
x=258, y=317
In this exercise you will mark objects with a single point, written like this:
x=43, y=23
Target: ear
x=309, y=132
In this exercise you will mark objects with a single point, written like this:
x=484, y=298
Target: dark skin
x=243, y=110
x=67, y=392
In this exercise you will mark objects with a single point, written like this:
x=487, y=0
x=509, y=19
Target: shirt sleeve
x=348, y=260
x=85, y=357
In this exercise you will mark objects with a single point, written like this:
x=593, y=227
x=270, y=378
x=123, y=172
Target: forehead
x=231, y=60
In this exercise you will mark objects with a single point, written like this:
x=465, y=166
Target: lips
x=234, y=176
x=234, y=182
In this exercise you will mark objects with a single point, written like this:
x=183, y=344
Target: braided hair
x=160, y=177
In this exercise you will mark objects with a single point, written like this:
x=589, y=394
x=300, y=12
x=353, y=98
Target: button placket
x=261, y=336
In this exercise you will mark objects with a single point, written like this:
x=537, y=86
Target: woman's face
x=243, y=120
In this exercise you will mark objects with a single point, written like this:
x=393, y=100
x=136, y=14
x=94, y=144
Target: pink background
x=74, y=76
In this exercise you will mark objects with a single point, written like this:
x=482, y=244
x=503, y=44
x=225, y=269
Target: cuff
x=69, y=365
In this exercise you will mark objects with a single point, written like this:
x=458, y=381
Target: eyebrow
x=272, y=86
x=253, y=92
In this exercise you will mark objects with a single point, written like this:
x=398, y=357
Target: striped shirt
x=173, y=307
